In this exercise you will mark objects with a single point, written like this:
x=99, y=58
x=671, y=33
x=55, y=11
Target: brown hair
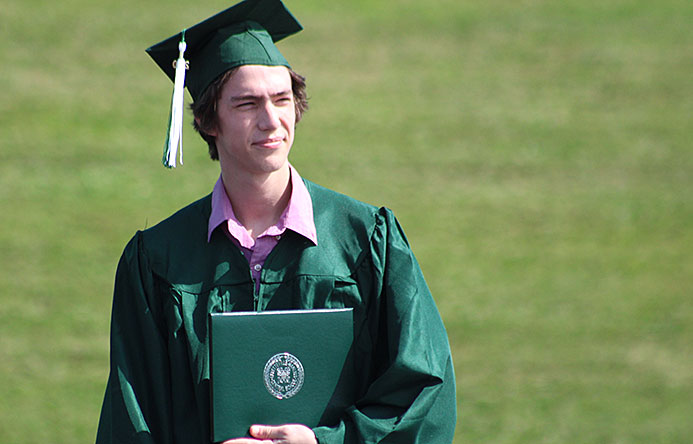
x=205, y=108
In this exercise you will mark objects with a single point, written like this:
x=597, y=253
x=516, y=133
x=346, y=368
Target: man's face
x=256, y=118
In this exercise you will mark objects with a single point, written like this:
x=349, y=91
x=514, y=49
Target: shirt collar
x=297, y=216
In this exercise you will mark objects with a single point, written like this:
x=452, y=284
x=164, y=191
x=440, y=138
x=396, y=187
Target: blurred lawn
x=538, y=154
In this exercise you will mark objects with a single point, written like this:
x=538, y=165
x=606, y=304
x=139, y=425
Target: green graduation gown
x=169, y=278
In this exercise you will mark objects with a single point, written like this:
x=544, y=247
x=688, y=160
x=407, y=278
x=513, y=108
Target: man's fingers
x=284, y=434
x=266, y=432
x=247, y=441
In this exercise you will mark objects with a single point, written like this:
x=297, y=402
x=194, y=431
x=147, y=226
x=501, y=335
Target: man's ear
x=212, y=133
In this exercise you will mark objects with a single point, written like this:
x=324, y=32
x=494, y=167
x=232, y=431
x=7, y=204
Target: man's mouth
x=270, y=142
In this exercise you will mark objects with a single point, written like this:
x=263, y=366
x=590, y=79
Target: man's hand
x=285, y=434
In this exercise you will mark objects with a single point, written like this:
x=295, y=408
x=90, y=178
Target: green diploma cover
x=278, y=367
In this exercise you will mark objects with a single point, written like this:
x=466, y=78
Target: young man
x=265, y=239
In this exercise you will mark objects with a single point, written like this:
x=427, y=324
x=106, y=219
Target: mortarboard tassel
x=174, y=138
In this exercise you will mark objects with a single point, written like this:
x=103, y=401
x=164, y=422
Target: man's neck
x=258, y=201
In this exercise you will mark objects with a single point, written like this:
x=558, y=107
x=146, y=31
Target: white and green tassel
x=174, y=138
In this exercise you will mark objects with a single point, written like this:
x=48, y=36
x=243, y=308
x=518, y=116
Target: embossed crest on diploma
x=283, y=375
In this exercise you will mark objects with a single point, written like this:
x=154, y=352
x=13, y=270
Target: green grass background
x=538, y=154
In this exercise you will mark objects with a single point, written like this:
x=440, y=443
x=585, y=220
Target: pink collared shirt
x=297, y=217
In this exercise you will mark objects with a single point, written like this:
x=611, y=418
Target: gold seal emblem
x=283, y=375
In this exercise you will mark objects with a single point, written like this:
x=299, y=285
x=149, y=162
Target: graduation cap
x=243, y=34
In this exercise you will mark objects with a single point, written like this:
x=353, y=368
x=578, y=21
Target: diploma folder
x=278, y=367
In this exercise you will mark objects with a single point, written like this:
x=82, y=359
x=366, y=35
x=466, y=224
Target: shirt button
x=257, y=267
x=278, y=237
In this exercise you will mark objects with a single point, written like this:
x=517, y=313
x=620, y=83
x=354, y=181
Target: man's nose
x=269, y=117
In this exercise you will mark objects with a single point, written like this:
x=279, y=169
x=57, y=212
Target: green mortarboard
x=243, y=34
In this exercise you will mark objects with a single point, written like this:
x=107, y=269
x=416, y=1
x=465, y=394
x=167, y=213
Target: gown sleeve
x=136, y=407
x=411, y=394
